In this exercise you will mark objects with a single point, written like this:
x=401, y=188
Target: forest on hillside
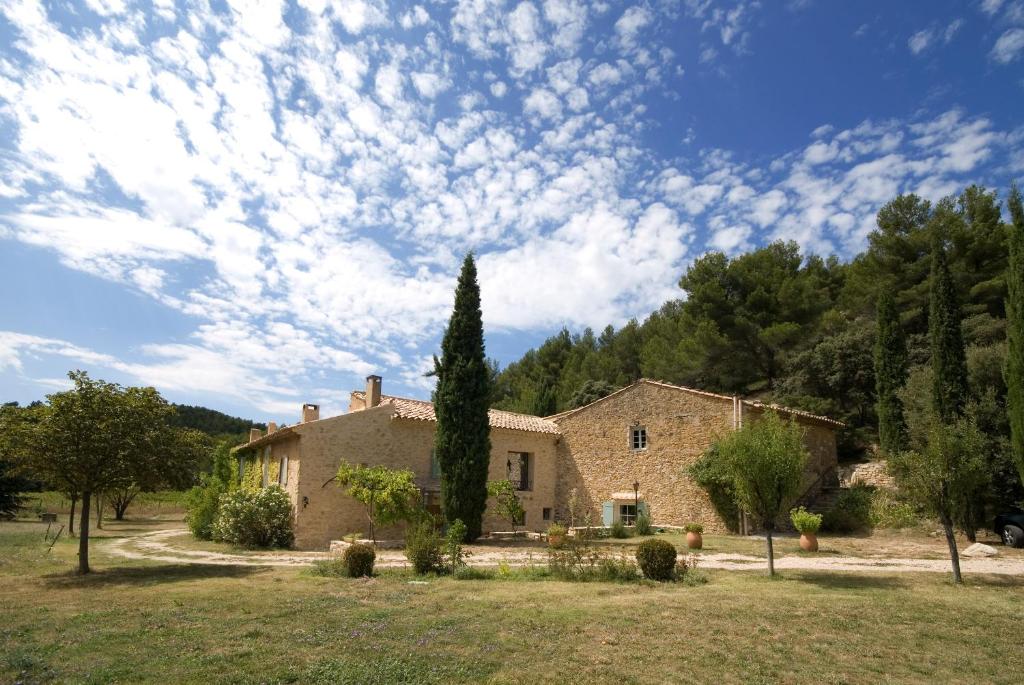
x=214, y=423
x=799, y=330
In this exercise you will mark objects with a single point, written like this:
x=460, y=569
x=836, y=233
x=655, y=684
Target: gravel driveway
x=159, y=546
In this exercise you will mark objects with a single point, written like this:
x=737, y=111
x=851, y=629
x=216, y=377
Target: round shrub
x=657, y=559
x=359, y=558
x=804, y=521
x=262, y=518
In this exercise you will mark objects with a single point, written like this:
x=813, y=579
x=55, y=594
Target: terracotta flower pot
x=809, y=542
x=694, y=540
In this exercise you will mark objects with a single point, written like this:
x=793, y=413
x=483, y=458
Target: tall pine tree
x=890, y=375
x=1015, y=330
x=462, y=440
x=949, y=362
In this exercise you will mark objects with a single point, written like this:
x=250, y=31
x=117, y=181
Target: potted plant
x=808, y=525
x=556, y=535
x=694, y=532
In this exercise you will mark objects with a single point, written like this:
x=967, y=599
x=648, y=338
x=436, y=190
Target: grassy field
x=144, y=622
x=145, y=504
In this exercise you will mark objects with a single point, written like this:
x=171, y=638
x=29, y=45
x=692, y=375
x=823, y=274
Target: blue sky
x=251, y=205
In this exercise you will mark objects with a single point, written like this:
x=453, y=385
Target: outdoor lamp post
x=636, y=501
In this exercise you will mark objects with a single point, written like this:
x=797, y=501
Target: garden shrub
x=201, y=505
x=694, y=528
x=619, y=569
x=888, y=510
x=851, y=512
x=687, y=573
x=804, y=521
x=643, y=525
x=255, y=519
x=359, y=560
x=657, y=559
x=618, y=530
x=423, y=547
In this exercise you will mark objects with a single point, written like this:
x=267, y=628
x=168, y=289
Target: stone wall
x=871, y=473
x=596, y=458
x=375, y=437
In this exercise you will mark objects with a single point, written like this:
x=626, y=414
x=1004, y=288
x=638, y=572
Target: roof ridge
x=705, y=393
x=413, y=399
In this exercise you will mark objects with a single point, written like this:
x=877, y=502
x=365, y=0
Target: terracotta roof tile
x=422, y=410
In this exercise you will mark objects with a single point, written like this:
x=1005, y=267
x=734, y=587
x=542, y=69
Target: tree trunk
x=771, y=552
x=120, y=507
x=71, y=519
x=83, y=535
x=954, y=556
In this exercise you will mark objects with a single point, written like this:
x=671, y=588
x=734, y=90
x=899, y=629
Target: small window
x=627, y=514
x=638, y=438
x=282, y=474
x=546, y=513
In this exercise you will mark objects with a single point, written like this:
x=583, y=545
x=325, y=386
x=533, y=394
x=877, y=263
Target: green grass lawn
x=145, y=622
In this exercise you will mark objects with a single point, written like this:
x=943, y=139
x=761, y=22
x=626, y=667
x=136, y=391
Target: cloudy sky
x=254, y=204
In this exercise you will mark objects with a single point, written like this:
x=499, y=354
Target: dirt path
x=158, y=546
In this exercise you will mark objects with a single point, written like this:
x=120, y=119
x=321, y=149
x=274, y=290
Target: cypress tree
x=949, y=363
x=462, y=440
x=890, y=375
x=1015, y=330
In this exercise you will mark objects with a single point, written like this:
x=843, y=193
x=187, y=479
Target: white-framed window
x=638, y=438
x=435, y=465
x=627, y=514
x=282, y=473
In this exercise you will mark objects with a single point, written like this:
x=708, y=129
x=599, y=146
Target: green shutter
x=642, y=509
x=608, y=513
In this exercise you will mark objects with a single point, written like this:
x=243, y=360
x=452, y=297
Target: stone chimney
x=255, y=434
x=271, y=427
x=310, y=412
x=372, y=391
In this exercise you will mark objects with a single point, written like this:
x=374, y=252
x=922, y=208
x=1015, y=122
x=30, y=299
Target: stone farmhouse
x=644, y=435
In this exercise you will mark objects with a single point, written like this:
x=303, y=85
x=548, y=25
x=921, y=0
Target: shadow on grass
x=149, y=575
x=831, y=580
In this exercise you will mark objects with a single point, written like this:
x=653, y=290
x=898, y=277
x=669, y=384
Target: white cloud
x=629, y=25
x=920, y=41
x=543, y=103
x=1009, y=46
x=499, y=89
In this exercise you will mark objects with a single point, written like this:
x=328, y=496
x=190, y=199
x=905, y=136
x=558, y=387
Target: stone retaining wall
x=871, y=473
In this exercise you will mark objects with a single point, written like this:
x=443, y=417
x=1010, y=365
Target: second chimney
x=255, y=434
x=310, y=412
x=372, y=391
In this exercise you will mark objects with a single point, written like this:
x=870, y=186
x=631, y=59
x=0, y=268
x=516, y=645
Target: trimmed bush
x=804, y=521
x=255, y=519
x=657, y=559
x=694, y=528
x=643, y=525
x=423, y=547
x=359, y=560
x=618, y=530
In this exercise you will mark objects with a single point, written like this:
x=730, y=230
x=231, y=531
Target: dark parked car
x=1010, y=527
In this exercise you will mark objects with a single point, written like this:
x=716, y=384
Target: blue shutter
x=642, y=509
x=608, y=513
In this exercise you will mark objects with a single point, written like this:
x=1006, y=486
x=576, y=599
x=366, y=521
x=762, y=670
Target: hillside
x=211, y=421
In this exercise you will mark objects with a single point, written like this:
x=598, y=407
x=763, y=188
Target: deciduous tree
x=765, y=461
x=388, y=495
